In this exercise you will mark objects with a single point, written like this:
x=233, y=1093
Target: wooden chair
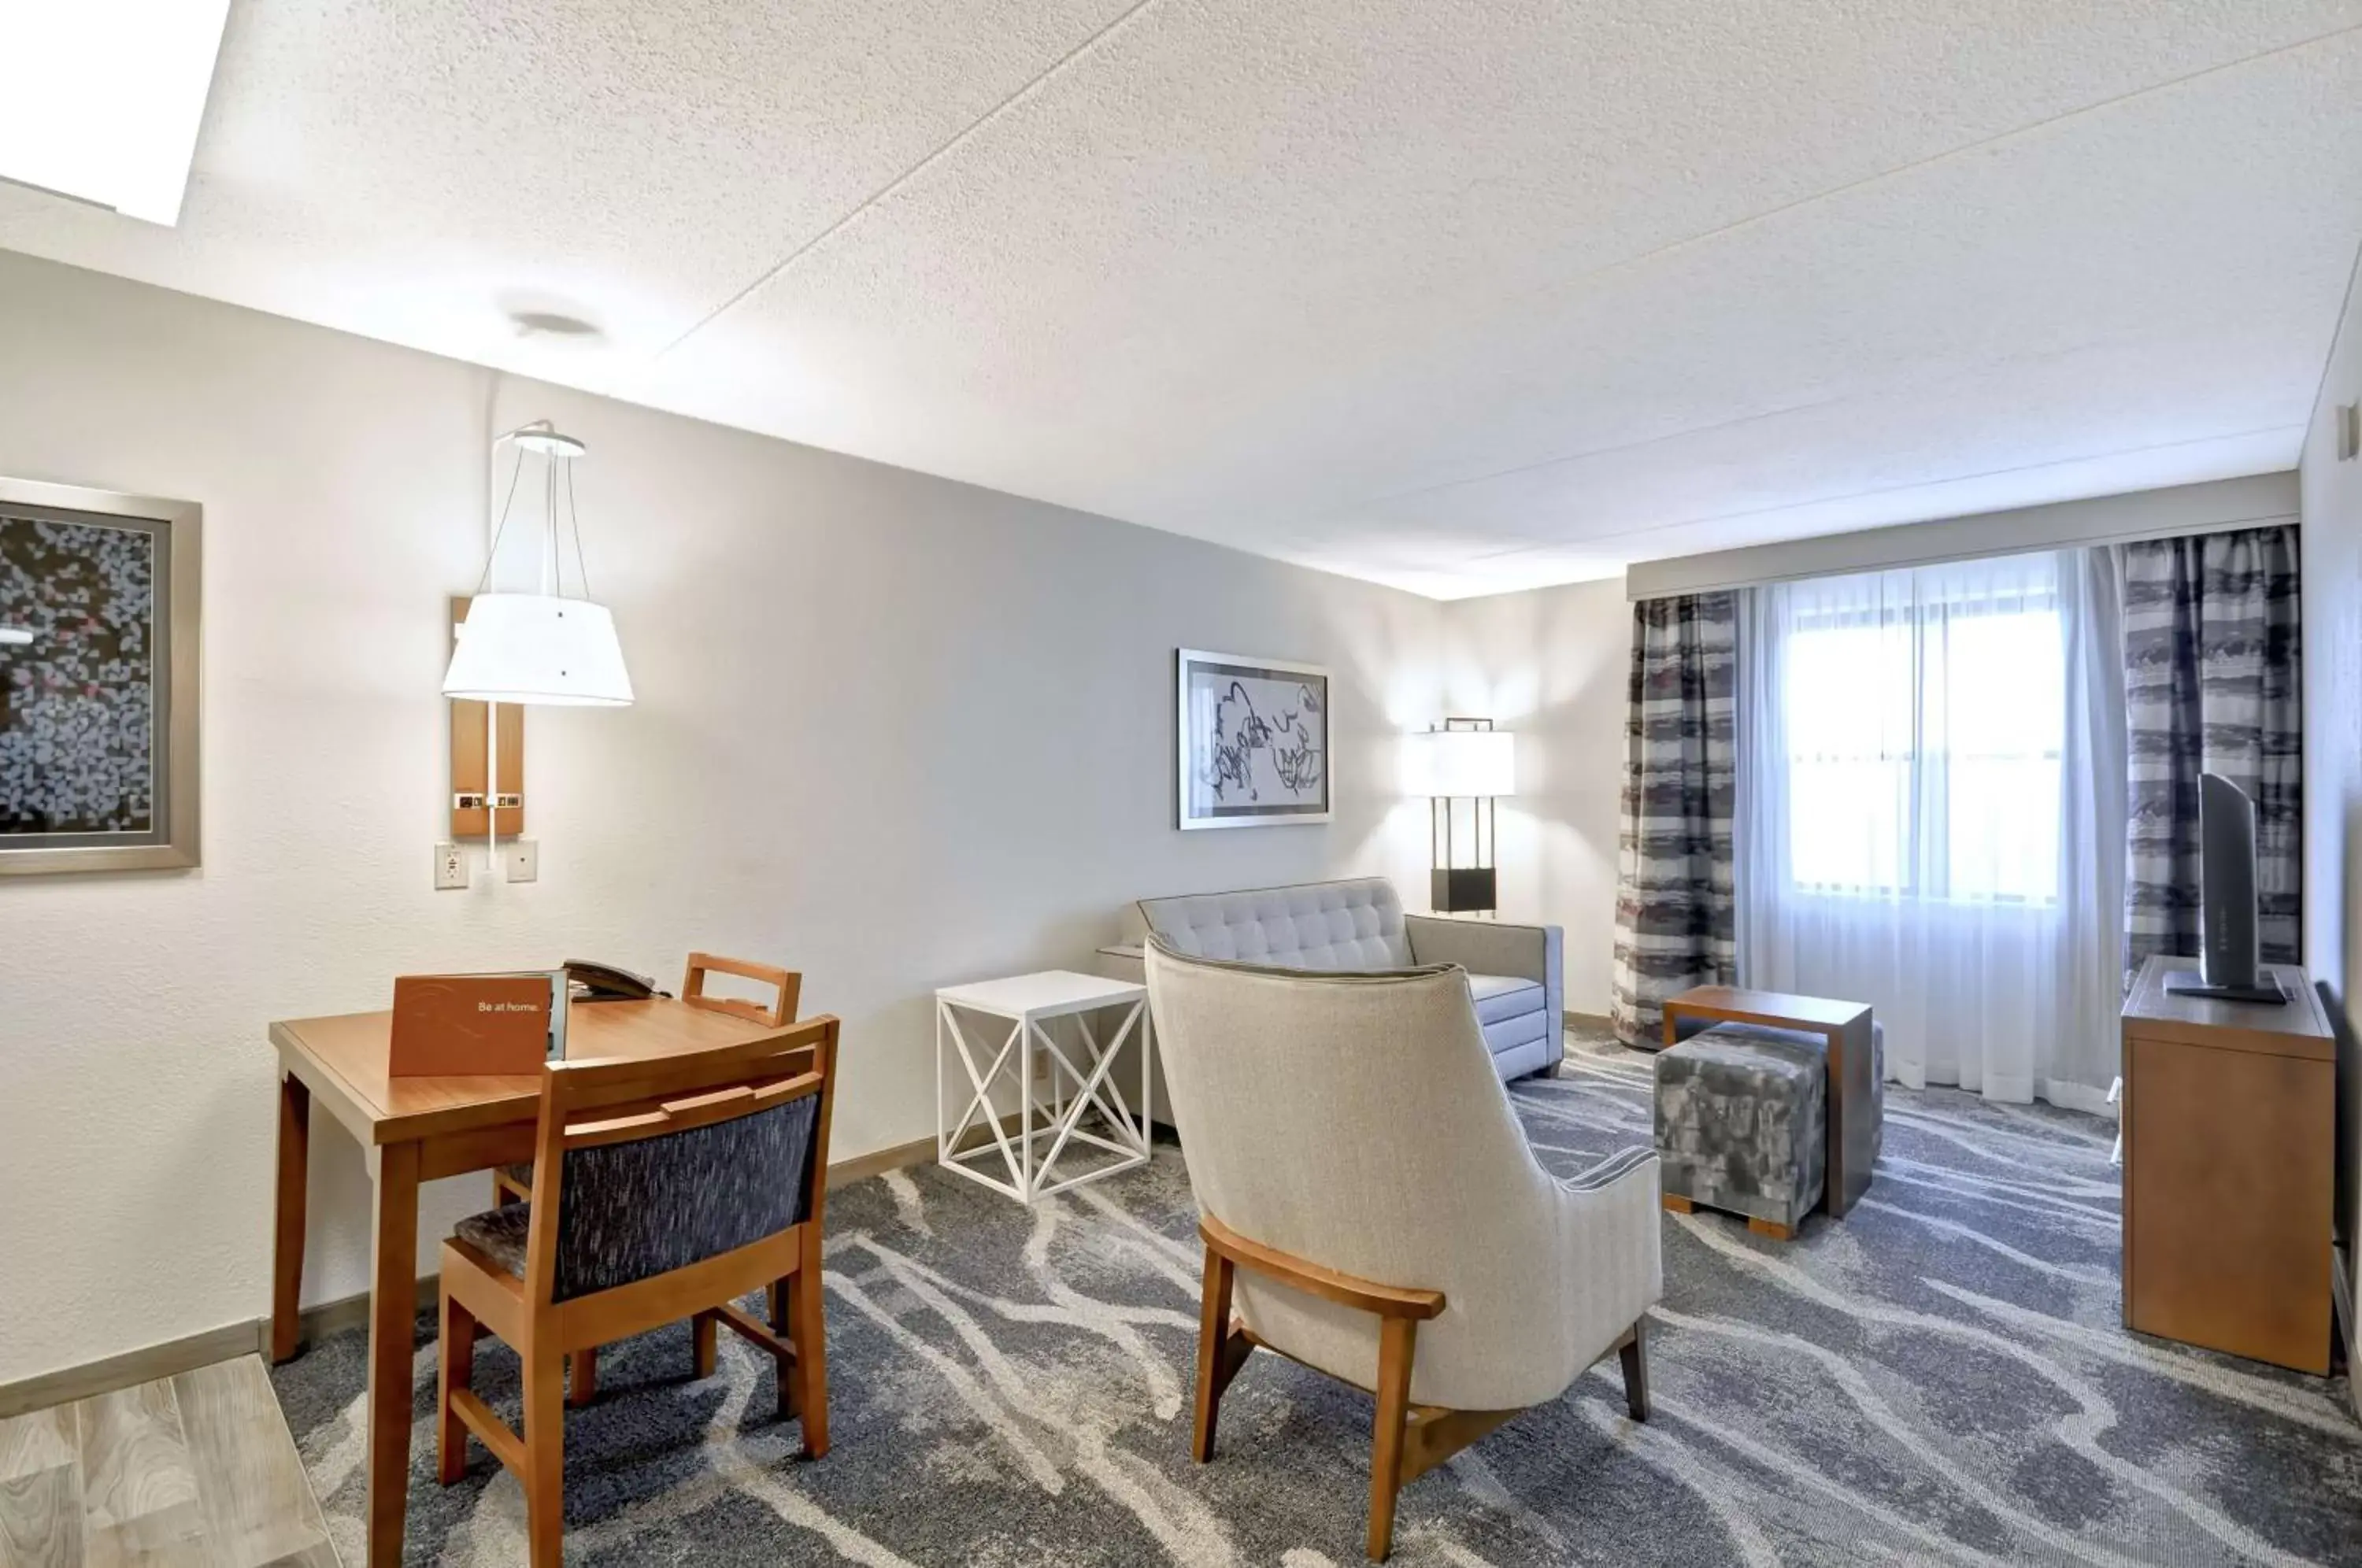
x=662, y=1189
x=785, y=983
x=513, y=1184
x=1370, y=1209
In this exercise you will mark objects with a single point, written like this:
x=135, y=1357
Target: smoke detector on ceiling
x=551, y=324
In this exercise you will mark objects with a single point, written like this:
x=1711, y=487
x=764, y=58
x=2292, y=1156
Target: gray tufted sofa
x=1515, y=977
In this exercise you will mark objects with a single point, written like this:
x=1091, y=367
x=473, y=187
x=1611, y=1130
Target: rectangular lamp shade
x=1445, y=762
x=536, y=648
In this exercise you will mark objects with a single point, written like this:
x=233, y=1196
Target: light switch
x=450, y=868
x=523, y=857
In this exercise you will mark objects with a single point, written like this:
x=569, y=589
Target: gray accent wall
x=893, y=730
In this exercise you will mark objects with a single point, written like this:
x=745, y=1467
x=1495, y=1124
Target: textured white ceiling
x=1459, y=295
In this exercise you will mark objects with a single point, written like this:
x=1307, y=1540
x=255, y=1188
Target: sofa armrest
x=1488, y=947
x=1492, y=948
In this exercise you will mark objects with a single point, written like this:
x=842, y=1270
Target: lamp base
x=1461, y=889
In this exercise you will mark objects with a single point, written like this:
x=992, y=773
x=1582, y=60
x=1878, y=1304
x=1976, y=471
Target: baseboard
x=2341, y=1291
x=898, y=1156
x=143, y=1365
x=320, y=1321
x=1588, y=1021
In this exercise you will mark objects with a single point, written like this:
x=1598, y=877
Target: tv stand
x=2187, y=983
x=2229, y=1113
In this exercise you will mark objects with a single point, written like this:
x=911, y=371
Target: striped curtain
x=1675, y=919
x=2210, y=685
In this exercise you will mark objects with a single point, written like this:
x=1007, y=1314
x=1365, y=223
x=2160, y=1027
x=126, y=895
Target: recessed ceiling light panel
x=100, y=99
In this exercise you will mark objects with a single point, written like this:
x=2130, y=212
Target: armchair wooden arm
x=1385, y=1300
x=1407, y=1439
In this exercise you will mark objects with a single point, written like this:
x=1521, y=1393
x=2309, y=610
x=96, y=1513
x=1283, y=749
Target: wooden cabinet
x=2229, y=1121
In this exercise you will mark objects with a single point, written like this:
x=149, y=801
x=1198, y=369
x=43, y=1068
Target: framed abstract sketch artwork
x=1252, y=741
x=98, y=680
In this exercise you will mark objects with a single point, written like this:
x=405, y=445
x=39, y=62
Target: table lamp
x=1465, y=759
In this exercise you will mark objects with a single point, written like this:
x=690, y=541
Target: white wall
x=2331, y=510
x=893, y=730
x=1553, y=665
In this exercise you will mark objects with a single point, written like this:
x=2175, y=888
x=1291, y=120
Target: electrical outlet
x=450, y=868
x=523, y=860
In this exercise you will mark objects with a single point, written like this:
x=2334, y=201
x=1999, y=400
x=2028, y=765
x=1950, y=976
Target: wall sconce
x=1466, y=759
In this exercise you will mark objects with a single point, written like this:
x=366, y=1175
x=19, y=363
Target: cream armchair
x=1369, y=1207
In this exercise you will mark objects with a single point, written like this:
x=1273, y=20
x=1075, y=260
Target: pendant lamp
x=552, y=647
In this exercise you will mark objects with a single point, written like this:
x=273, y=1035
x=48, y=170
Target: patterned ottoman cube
x=1742, y=1122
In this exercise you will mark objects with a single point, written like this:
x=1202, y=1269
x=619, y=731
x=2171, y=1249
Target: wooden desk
x=2229, y=1124
x=414, y=1131
x=1846, y=1025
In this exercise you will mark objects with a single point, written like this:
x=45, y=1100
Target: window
x=1924, y=716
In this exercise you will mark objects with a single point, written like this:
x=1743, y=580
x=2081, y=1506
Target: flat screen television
x=2229, y=965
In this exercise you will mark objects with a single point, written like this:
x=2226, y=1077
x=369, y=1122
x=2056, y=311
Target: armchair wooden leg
x=456, y=1364
x=1635, y=1353
x=702, y=1339
x=810, y=1337
x=545, y=1457
x=1397, y=1339
x=1220, y=1354
x=581, y=1376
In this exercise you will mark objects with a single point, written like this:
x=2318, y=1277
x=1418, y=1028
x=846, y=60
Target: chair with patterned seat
x=662, y=1189
x=513, y=1184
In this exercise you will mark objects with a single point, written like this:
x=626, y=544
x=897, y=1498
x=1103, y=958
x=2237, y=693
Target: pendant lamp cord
x=574, y=521
x=492, y=554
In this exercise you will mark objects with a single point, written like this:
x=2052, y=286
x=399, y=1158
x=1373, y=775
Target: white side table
x=1053, y=1109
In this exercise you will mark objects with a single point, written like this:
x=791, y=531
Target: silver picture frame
x=175, y=529
x=1249, y=751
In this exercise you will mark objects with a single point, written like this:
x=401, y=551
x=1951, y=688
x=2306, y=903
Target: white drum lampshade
x=540, y=649
x=1445, y=764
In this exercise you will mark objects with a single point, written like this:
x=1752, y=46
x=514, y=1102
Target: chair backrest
x=786, y=984
x=1356, y=924
x=646, y=1166
x=1355, y=1122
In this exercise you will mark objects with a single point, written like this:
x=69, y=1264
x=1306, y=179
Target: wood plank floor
x=196, y=1470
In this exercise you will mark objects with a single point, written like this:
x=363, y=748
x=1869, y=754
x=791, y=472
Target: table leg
x=393, y=1310
x=1852, y=1097
x=287, y=1230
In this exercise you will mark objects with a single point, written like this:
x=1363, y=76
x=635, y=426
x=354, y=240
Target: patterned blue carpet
x=1940, y=1378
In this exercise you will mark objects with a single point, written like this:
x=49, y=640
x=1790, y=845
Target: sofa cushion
x=1504, y=996
x=1351, y=926
x=1509, y=1034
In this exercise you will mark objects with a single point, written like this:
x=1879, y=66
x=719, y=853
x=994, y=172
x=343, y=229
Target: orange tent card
x=451, y=1026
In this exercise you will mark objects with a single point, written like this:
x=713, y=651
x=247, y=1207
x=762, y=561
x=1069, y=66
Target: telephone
x=604, y=982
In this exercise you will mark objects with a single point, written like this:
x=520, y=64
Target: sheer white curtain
x=1931, y=814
